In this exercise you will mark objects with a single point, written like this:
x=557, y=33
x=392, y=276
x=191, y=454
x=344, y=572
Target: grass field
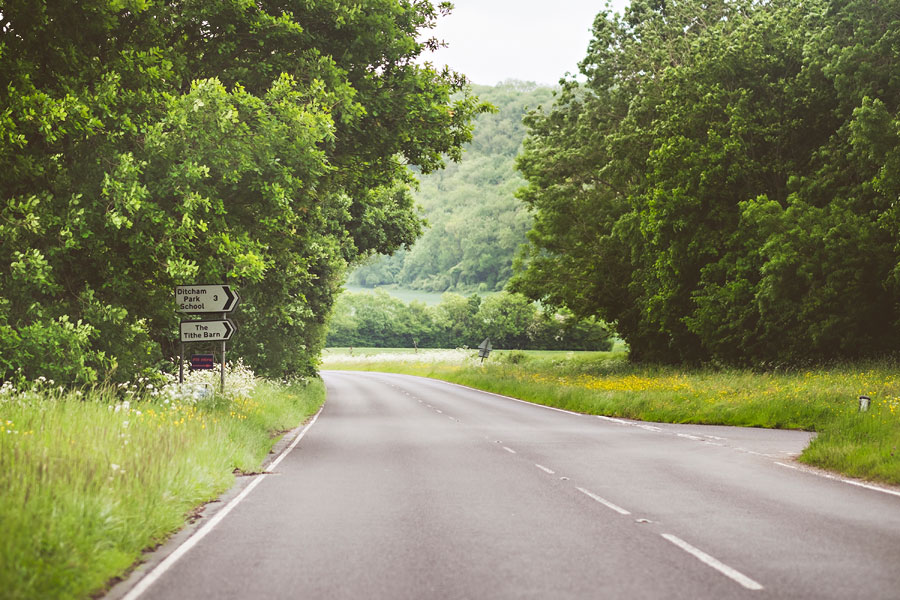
x=408, y=295
x=89, y=479
x=405, y=294
x=859, y=444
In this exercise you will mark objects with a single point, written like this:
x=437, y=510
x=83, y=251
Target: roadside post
x=863, y=404
x=484, y=349
x=203, y=299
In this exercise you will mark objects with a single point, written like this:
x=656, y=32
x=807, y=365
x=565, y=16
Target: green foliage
x=147, y=144
x=475, y=223
x=377, y=320
x=722, y=186
x=88, y=484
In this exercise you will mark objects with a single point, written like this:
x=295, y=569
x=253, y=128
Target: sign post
x=202, y=299
x=484, y=349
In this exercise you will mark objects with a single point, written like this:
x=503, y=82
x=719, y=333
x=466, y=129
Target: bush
x=377, y=320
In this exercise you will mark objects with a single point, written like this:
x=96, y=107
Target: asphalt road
x=412, y=488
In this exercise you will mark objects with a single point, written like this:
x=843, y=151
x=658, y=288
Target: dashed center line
x=604, y=501
x=713, y=562
x=700, y=555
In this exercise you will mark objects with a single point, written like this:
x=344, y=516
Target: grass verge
x=88, y=481
x=823, y=400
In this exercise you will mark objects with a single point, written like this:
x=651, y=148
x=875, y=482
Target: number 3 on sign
x=215, y=297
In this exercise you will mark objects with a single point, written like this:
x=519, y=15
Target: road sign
x=207, y=331
x=205, y=298
x=202, y=362
x=484, y=349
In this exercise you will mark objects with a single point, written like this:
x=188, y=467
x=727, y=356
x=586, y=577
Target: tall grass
x=824, y=400
x=89, y=479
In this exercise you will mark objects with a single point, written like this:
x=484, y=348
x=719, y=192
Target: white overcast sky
x=531, y=40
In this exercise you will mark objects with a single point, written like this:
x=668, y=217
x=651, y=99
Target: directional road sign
x=484, y=349
x=205, y=298
x=207, y=331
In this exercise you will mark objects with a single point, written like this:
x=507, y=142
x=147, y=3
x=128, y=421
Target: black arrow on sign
x=232, y=300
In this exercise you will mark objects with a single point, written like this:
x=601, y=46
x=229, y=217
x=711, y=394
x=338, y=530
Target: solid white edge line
x=150, y=578
x=604, y=502
x=713, y=562
x=545, y=469
x=867, y=486
x=629, y=423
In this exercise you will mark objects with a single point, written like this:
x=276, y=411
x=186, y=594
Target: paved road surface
x=413, y=488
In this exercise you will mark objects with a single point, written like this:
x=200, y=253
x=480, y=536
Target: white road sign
x=205, y=298
x=207, y=331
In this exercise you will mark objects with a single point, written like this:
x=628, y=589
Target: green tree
x=148, y=143
x=457, y=318
x=505, y=318
x=719, y=186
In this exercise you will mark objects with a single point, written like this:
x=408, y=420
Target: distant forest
x=475, y=223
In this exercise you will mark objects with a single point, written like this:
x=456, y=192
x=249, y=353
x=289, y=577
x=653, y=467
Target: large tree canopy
x=150, y=143
x=724, y=185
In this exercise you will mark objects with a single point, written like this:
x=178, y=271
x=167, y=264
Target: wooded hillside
x=475, y=223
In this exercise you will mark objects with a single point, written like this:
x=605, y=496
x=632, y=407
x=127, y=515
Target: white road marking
x=508, y=449
x=150, y=578
x=604, y=502
x=439, y=411
x=713, y=562
x=648, y=427
x=545, y=469
x=867, y=486
x=690, y=437
x=630, y=424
